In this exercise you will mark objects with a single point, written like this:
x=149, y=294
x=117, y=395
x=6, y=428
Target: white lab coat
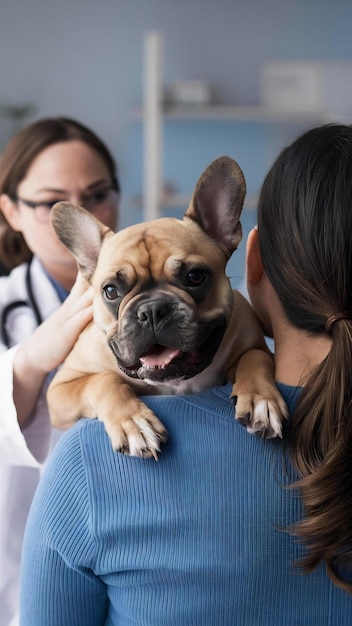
x=22, y=453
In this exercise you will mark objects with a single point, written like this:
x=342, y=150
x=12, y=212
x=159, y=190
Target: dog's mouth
x=159, y=357
x=164, y=363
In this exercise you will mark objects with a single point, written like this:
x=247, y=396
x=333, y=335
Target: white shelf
x=236, y=113
x=181, y=201
x=154, y=112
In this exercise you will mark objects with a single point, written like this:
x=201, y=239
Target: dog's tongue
x=159, y=356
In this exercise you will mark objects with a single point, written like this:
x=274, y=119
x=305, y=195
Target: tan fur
x=149, y=267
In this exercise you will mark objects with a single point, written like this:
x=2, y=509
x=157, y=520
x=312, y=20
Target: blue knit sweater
x=194, y=539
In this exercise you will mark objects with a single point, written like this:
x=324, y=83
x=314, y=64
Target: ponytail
x=321, y=450
x=305, y=238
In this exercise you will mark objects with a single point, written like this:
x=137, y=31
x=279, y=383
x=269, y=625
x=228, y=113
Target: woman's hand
x=53, y=339
x=49, y=345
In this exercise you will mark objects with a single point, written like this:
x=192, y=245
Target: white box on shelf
x=189, y=92
x=308, y=86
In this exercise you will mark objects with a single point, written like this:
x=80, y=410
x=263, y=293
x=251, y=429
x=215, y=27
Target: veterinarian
x=40, y=317
x=218, y=532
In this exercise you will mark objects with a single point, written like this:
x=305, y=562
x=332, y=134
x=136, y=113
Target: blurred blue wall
x=83, y=58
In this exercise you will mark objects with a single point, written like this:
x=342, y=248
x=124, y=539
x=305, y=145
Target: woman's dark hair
x=16, y=160
x=305, y=235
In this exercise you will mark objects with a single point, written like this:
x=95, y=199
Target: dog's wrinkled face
x=162, y=298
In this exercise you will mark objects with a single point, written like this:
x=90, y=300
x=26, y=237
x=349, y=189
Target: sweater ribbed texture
x=192, y=540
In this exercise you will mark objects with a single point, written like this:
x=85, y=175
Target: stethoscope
x=29, y=303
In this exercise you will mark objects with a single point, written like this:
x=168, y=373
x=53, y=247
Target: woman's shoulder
x=77, y=445
x=12, y=286
x=14, y=275
x=69, y=464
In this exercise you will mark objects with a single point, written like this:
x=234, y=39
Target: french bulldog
x=166, y=319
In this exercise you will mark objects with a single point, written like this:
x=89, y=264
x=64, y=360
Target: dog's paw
x=140, y=434
x=263, y=417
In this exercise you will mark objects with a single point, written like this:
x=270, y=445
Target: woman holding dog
x=227, y=528
x=42, y=306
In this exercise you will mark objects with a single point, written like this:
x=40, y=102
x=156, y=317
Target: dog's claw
x=244, y=420
x=234, y=401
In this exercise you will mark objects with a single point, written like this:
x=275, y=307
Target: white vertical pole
x=152, y=106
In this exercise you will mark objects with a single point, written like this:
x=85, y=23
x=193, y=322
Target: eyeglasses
x=94, y=202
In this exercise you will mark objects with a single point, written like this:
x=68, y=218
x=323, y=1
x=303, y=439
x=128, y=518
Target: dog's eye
x=111, y=292
x=196, y=277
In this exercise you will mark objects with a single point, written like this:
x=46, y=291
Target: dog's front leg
x=259, y=405
x=131, y=426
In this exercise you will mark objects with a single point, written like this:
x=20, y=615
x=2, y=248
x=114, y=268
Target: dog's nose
x=150, y=314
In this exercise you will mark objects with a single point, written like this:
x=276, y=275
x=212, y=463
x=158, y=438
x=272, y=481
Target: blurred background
x=229, y=77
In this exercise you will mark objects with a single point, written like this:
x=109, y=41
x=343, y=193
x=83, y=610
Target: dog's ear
x=217, y=203
x=81, y=233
